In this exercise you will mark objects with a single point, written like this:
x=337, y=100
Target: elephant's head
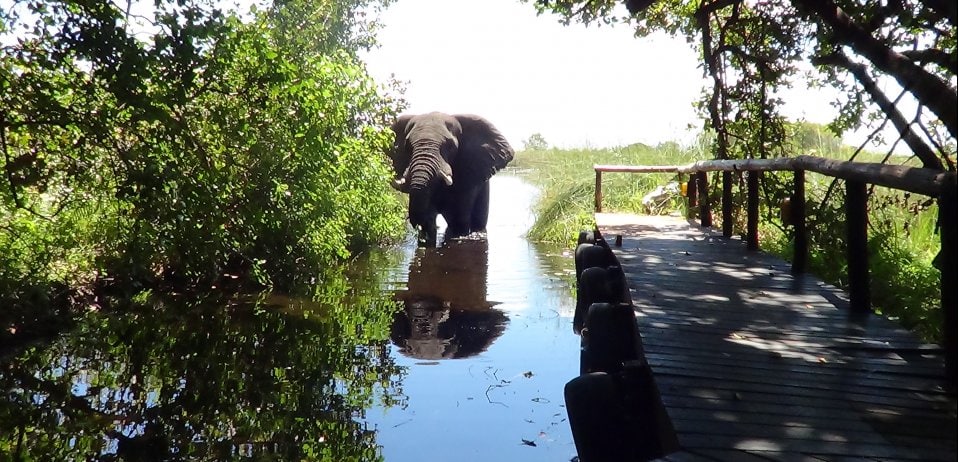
x=435, y=153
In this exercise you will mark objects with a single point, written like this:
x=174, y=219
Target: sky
x=577, y=86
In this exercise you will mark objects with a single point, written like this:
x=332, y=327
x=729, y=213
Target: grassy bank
x=567, y=181
x=902, y=238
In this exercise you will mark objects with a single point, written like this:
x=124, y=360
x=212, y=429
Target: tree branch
x=7, y=161
x=635, y=6
x=921, y=149
x=711, y=58
x=943, y=8
x=882, y=13
x=736, y=50
x=927, y=88
x=944, y=59
x=709, y=7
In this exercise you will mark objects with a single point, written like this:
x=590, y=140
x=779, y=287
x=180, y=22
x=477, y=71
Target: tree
x=753, y=49
x=189, y=144
x=893, y=62
x=535, y=142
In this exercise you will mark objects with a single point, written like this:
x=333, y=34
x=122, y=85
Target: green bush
x=209, y=145
x=901, y=246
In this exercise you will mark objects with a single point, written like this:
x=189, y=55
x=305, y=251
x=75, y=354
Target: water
x=504, y=392
x=471, y=368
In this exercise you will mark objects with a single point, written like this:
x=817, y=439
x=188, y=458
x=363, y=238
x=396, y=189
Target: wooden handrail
x=929, y=182
x=637, y=168
x=913, y=179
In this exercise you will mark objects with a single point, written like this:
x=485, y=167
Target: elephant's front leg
x=422, y=216
x=479, y=216
x=457, y=223
x=458, y=212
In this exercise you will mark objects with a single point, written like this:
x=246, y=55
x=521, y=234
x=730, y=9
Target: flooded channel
x=456, y=353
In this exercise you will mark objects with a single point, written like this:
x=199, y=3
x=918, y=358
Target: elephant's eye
x=449, y=146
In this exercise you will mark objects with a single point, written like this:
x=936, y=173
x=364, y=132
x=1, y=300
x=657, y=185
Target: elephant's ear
x=482, y=149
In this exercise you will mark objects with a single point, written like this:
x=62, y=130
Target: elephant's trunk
x=424, y=166
x=427, y=166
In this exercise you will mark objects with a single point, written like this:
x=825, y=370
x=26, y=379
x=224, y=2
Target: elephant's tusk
x=446, y=178
x=399, y=184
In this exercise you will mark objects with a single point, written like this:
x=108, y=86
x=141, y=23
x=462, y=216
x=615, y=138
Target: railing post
x=691, y=194
x=751, y=228
x=705, y=208
x=800, y=248
x=598, y=190
x=947, y=263
x=727, y=218
x=856, y=220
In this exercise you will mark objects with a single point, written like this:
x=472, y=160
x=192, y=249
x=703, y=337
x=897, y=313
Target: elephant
x=446, y=314
x=444, y=163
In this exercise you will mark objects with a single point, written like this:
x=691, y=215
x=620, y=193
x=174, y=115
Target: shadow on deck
x=754, y=364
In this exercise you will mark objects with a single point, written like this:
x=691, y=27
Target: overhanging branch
x=932, y=55
x=719, y=96
x=928, y=89
x=944, y=8
x=914, y=142
x=762, y=63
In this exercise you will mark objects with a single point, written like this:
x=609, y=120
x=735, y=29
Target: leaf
x=528, y=442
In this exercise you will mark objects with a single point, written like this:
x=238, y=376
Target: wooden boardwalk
x=756, y=365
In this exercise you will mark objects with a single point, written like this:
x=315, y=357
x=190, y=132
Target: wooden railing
x=857, y=175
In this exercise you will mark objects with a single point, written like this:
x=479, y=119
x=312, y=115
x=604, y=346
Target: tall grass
x=567, y=180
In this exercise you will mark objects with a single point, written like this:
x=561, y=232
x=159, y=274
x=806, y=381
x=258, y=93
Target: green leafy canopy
x=188, y=141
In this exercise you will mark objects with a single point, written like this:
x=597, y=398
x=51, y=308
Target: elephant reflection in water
x=446, y=314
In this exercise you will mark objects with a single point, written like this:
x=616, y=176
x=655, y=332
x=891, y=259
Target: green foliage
x=754, y=50
x=535, y=142
x=562, y=212
x=814, y=139
x=904, y=283
x=202, y=145
x=303, y=29
x=902, y=244
x=567, y=181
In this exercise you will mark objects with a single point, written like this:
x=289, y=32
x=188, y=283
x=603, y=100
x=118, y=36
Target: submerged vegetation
x=185, y=145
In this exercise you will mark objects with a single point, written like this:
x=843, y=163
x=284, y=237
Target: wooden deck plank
x=890, y=363
x=877, y=384
x=743, y=405
x=820, y=333
x=754, y=364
